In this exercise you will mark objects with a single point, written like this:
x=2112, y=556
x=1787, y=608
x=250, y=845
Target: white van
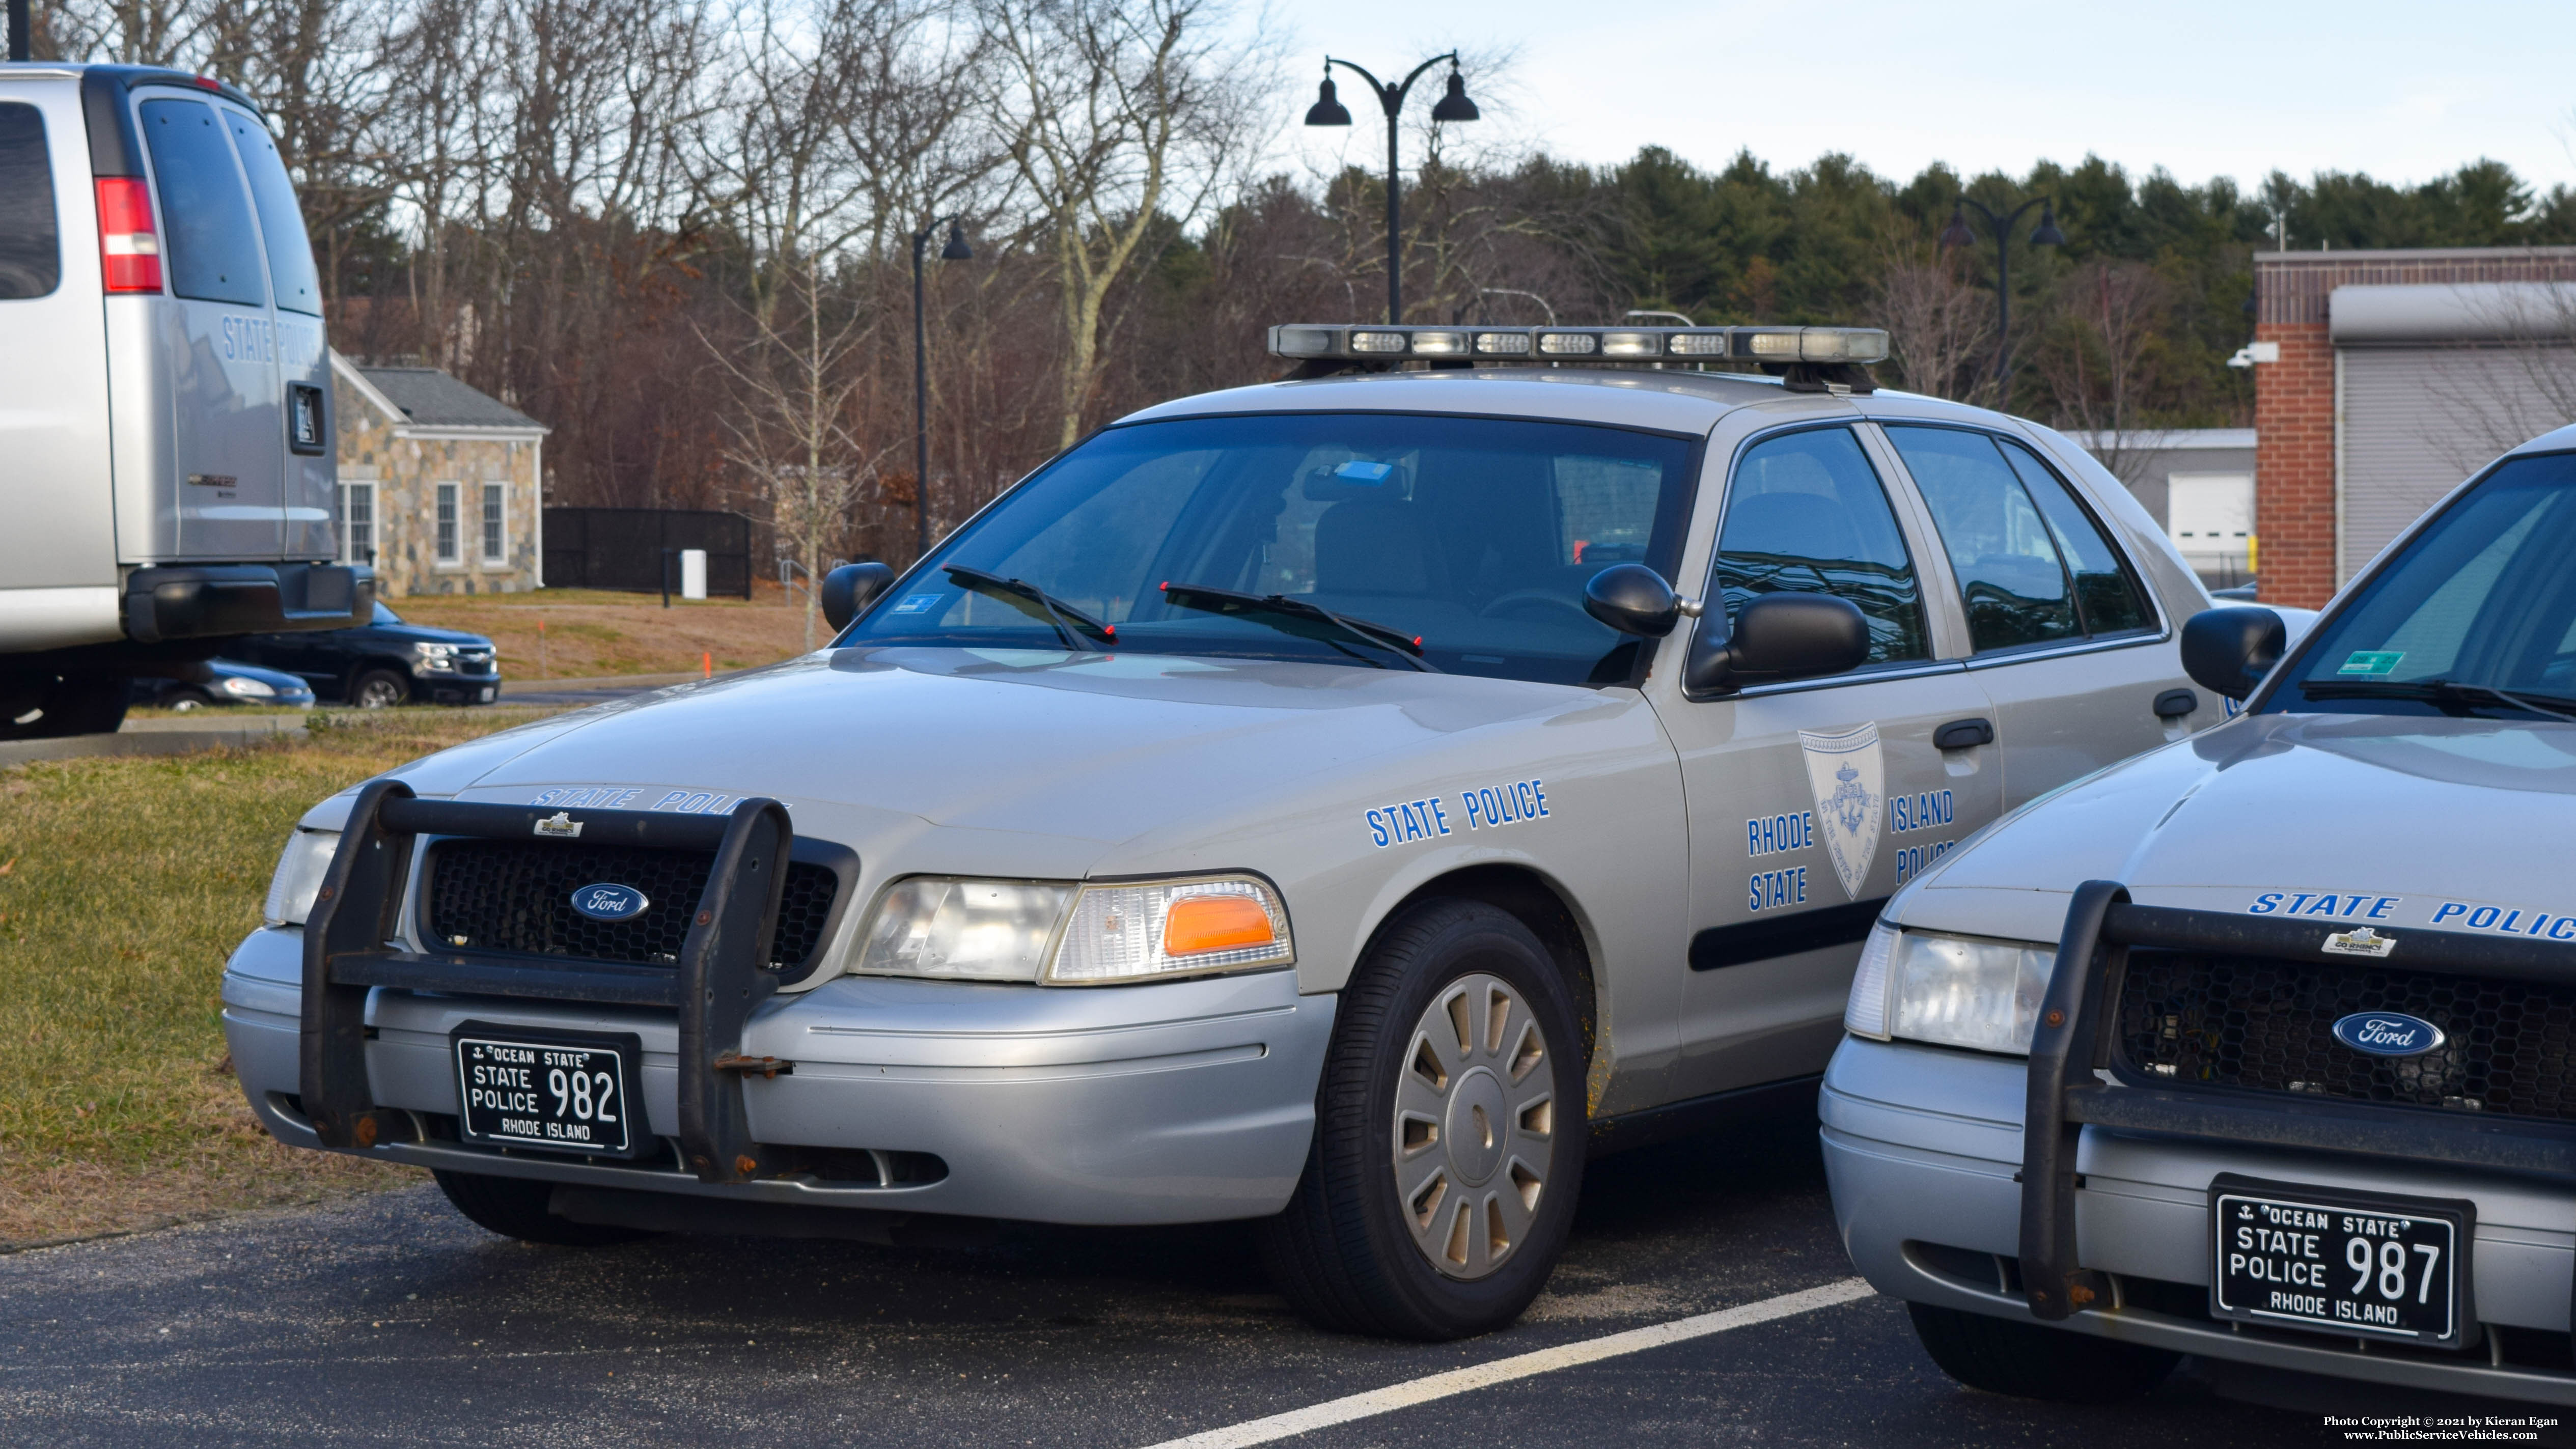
x=165, y=434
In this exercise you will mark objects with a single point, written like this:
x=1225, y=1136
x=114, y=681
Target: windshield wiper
x=2440, y=692
x=1063, y=617
x=1285, y=611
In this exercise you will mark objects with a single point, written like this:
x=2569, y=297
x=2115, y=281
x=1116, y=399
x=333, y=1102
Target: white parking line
x=1519, y=1366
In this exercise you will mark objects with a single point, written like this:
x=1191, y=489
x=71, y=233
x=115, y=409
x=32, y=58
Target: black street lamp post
x=955, y=251
x=2046, y=234
x=1329, y=111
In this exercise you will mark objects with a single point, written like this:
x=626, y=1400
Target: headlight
x=1960, y=991
x=1170, y=928
x=246, y=687
x=299, y=876
x=1064, y=934
x=977, y=930
x=434, y=651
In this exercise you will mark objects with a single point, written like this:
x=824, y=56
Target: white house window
x=495, y=534
x=357, y=523
x=447, y=541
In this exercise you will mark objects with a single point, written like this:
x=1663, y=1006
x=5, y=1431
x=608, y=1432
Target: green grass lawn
x=124, y=883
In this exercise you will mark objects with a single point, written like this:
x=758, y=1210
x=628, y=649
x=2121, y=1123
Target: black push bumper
x=210, y=601
x=717, y=982
x=2077, y=1077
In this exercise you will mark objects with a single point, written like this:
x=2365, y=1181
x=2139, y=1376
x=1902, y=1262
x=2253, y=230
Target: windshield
x=1473, y=536
x=385, y=615
x=2476, y=616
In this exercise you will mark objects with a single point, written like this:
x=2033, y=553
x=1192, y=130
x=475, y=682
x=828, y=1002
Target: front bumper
x=1923, y=1149
x=214, y=601
x=1188, y=1101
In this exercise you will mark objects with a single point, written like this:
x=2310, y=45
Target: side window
x=213, y=250
x=2105, y=595
x=31, y=252
x=1806, y=513
x=281, y=221
x=2010, y=576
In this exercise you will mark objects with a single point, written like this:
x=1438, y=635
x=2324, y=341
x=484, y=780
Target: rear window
x=281, y=221
x=31, y=252
x=208, y=241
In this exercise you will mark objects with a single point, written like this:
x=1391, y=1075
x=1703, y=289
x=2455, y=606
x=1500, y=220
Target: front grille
x=509, y=895
x=2267, y=1025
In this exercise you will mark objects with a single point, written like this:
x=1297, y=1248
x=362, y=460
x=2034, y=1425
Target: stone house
x=439, y=484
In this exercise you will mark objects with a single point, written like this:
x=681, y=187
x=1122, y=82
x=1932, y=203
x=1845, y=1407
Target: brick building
x=2381, y=379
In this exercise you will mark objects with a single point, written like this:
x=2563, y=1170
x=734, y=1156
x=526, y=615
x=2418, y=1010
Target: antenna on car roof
x=21, y=44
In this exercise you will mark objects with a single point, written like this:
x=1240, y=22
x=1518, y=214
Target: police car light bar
x=1301, y=340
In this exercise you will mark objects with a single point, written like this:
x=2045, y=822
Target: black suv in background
x=384, y=662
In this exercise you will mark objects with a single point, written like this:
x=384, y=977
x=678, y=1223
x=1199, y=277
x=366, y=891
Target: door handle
x=2175, y=703
x=1963, y=734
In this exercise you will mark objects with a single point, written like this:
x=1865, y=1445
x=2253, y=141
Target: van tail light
x=127, y=248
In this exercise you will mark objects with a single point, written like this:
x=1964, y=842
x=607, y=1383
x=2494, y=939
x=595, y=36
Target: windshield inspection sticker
x=2375, y=663
x=918, y=603
x=1850, y=781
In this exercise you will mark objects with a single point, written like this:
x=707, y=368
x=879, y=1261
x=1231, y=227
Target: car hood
x=409, y=633
x=1077, y=748
x=2460, y=824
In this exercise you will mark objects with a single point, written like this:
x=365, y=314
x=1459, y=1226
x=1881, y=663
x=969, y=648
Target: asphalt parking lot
x=393, y=1320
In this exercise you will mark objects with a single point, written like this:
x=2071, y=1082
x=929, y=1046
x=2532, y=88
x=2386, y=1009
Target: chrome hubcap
x=1475, y=1114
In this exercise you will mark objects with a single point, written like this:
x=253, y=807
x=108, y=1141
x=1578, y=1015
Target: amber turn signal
x=1197, y=924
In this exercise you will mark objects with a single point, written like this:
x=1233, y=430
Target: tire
x=184, y=700
x=41, y=707
x=515, y=1207
x=1441, y=1179
x=2032, y=1361
x=379, y=689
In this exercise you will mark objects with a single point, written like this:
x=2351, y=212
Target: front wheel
x=379, y=689
x=2032, y=1361
x=1449, y=1134
x=515, y=1207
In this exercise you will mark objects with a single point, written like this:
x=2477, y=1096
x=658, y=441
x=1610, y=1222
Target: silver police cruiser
x=1308, y=802
x=2261, y=1046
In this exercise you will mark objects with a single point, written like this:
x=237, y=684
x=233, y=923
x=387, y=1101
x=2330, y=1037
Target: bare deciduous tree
x=2094, y=358
x=1940, y=326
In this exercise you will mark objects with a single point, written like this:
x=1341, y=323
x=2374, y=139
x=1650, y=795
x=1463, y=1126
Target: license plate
x=2346, y=1263
x=554, y=1092
x=487, y=694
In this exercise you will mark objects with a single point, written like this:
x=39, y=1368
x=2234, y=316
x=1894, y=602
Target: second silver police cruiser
x=1309, y=803
x=2260, y=1047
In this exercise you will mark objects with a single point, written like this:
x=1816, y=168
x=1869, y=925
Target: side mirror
x=852, y=587
x=2230, y=650
x=1782, y=636
x=1634, y=599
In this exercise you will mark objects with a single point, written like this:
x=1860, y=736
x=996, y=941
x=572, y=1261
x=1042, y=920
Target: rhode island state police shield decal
x=1851, y=794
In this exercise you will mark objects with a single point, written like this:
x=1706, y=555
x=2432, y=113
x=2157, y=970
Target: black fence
x=625, y=548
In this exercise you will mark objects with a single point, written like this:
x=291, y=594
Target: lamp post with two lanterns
x=2046, y=234
x=1329, y=111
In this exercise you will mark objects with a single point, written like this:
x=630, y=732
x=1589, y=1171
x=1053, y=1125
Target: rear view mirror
x=2230, y=650
x=1634, y=599
x=1782, y=636
x=850, y=588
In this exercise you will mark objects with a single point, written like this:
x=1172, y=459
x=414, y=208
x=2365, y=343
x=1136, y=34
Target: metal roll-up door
x=2417, y=420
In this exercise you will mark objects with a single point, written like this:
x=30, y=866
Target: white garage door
x=2417, y=420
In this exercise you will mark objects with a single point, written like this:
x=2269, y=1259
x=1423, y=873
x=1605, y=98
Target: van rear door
x=217, y=335
x=58, y=548
x=303, y=363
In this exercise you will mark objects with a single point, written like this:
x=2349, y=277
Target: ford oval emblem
x=2388, y=1033
x=607, y=901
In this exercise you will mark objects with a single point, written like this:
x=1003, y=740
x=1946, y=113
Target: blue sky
x=2404, y=93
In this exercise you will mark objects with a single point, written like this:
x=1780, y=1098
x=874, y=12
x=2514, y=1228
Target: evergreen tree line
x=682, y=234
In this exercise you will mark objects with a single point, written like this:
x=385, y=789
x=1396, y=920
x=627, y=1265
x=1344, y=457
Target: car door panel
x=1811, y=802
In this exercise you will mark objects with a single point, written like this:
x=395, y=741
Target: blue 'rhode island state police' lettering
x=1481, y=807
x=1407, y=820
x=1771, y=834
x=1919, y=812
x=614, y=797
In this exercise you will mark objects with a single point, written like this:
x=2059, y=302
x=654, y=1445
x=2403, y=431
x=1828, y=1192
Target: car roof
x=1672, y=401
x=128, y=76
